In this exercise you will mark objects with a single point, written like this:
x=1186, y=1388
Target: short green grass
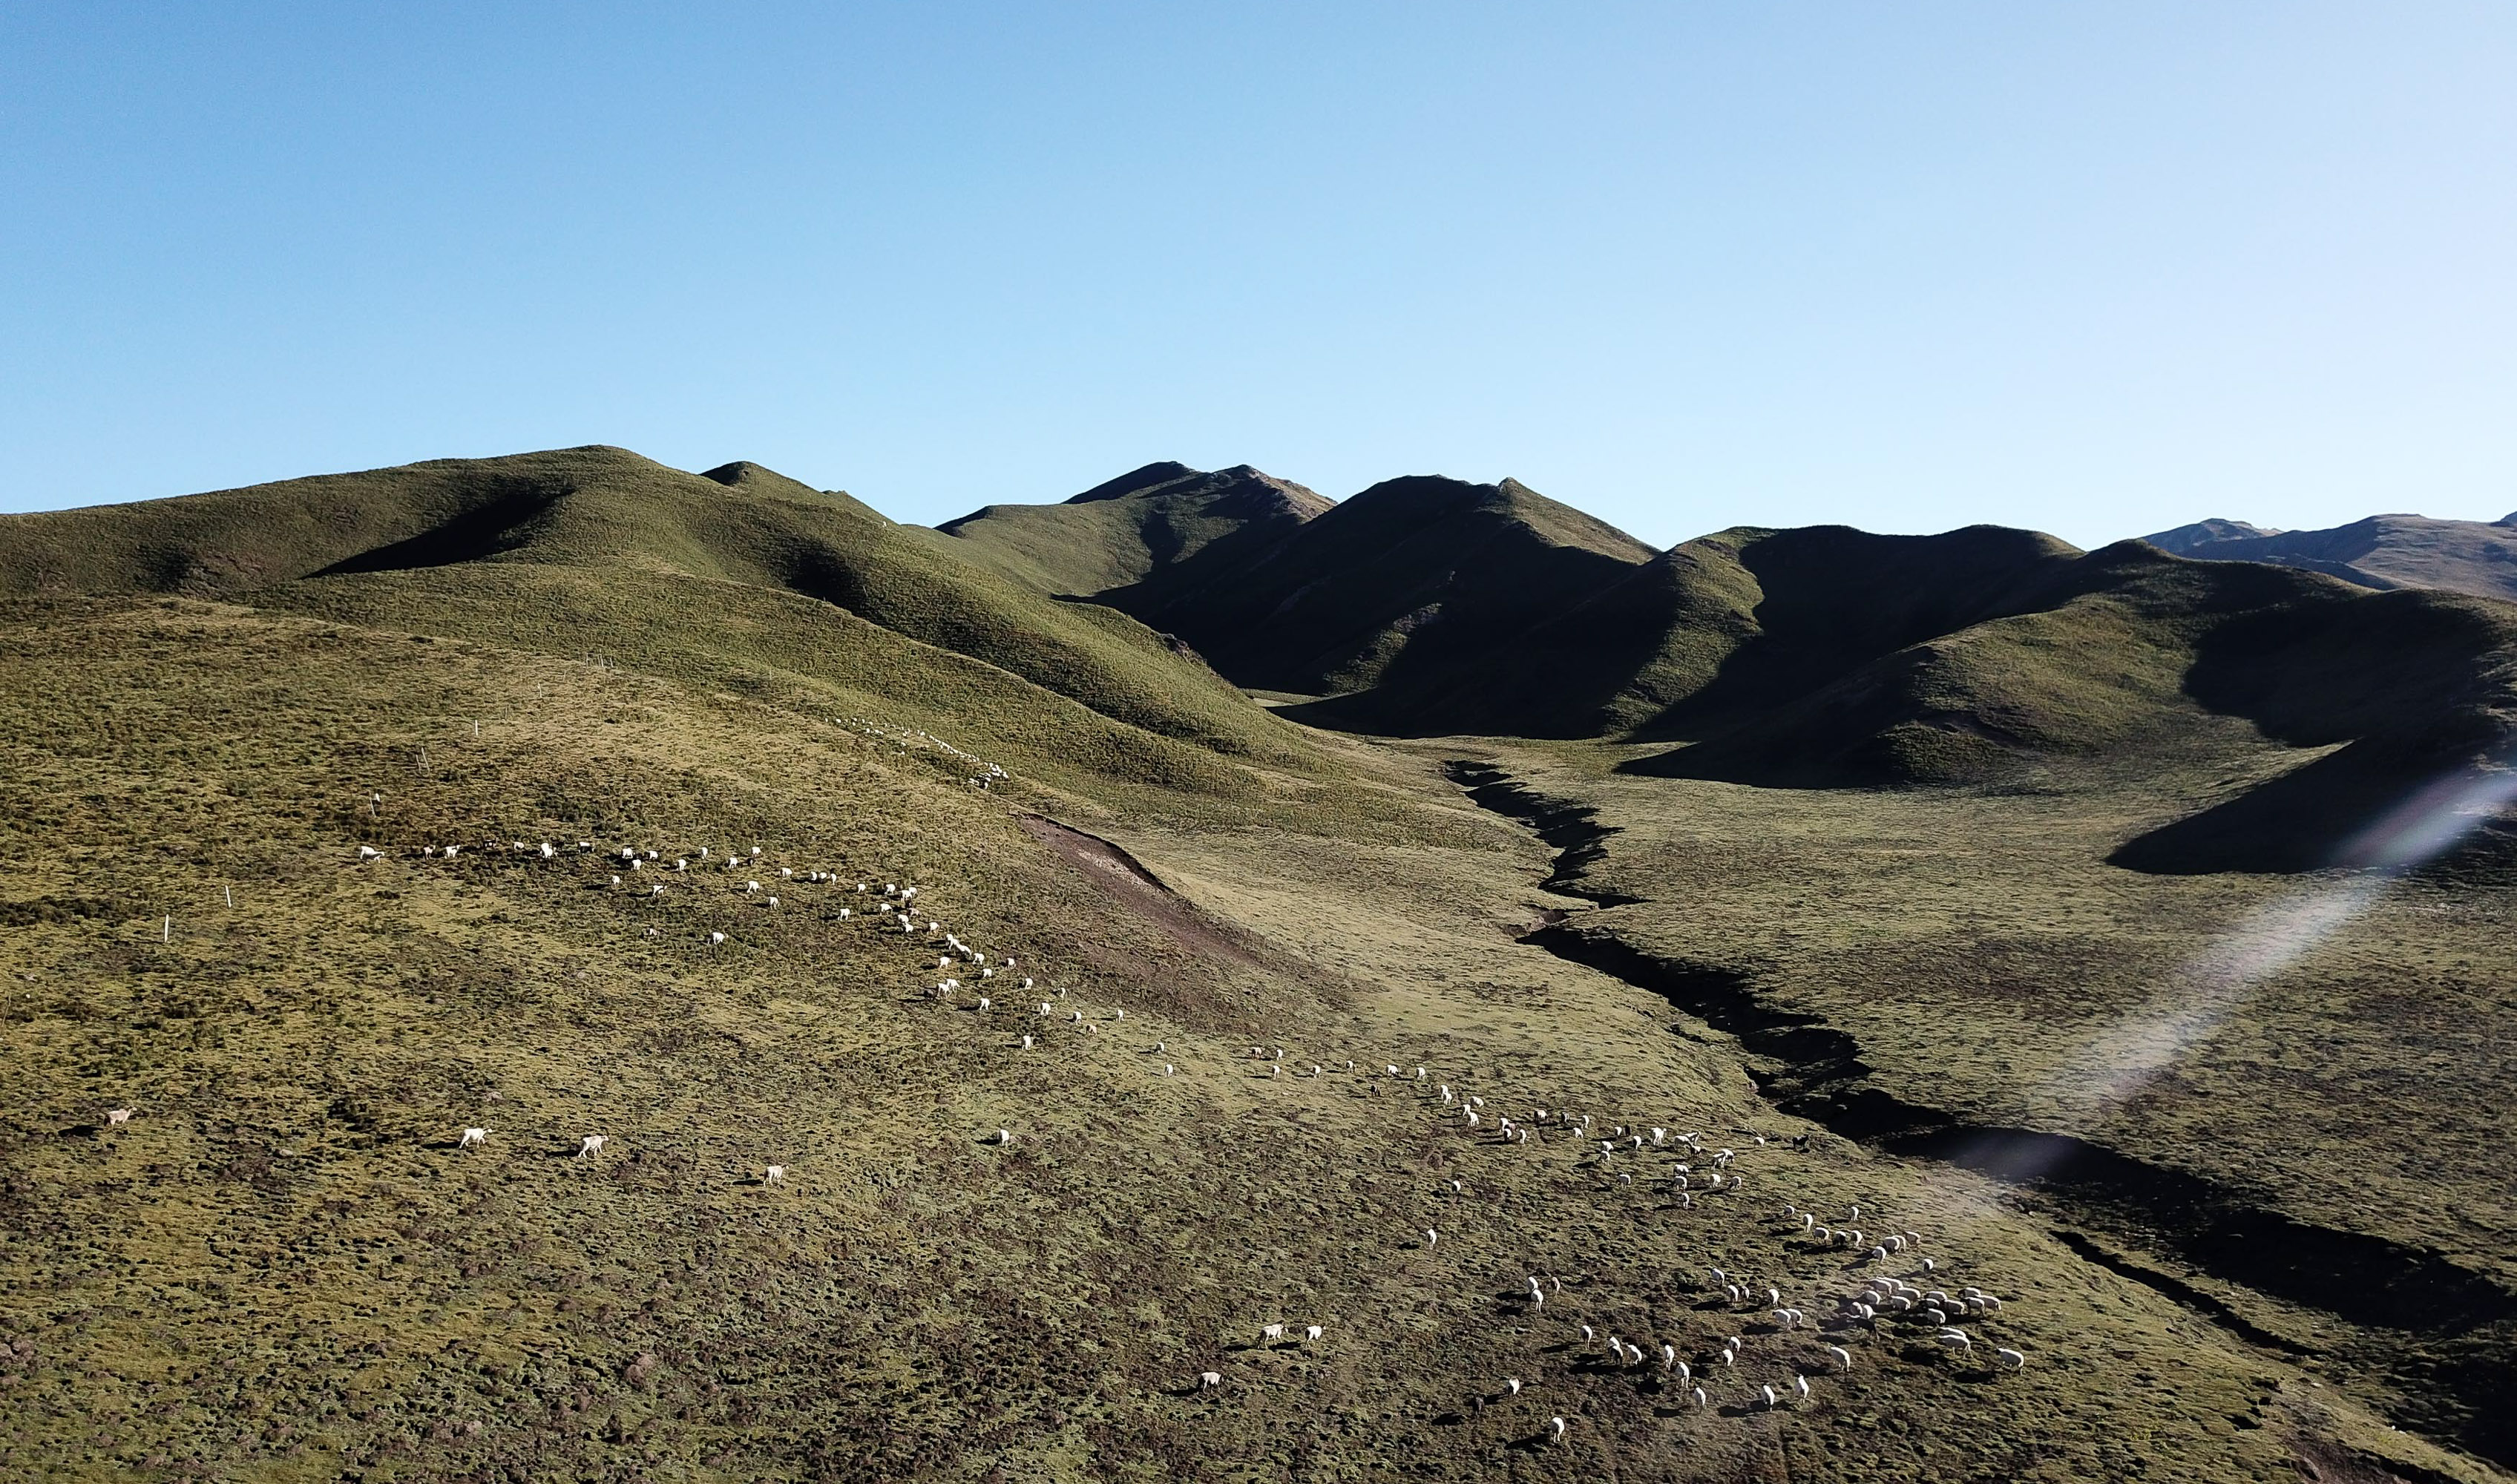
x=1990, y=963
x=279, y=1269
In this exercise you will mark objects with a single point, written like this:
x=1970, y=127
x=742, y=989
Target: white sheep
x=114, y=1117
x=1208, y=1380
x=775, y=1173
x=592, y=1146
x=473, y=1138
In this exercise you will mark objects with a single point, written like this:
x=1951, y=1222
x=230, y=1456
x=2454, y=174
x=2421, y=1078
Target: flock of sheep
x=1788, y=1342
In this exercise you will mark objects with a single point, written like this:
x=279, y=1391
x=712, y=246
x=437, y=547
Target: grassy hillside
x=2097, y=655
x=609, y=545
x=285, y=1266
x=2258, y=1089
x=1410, y=574
x=1164, y=523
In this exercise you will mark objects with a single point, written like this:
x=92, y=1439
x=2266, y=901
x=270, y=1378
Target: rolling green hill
x=737, y=570
x=1823, y=656
x=1409, y=575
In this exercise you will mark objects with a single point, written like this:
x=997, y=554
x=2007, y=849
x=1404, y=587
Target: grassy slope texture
x=273, y=830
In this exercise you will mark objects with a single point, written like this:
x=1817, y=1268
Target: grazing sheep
x=592, y=1146
x=1270, y=1333
x=775, y=1173
x=117, y=1117
x=474, y=1138
x=1312, y=1333
x=2017, y=1362
x=1208, y=1381
x=1559, y=1424
x=1512, y=1386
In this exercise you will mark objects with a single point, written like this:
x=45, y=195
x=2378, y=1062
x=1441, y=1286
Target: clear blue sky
x=2093, y=268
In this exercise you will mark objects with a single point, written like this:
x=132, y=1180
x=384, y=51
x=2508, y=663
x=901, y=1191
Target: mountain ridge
x=2379, y=551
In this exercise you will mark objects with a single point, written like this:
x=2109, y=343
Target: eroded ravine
x=2447, y=1332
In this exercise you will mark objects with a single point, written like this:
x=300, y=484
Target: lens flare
x=2127, y=1056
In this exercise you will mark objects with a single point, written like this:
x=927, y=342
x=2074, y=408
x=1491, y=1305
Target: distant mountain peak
x=2184, y=541
x=1143, y=481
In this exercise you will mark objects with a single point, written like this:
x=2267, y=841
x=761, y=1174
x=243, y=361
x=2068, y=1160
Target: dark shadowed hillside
x=1824, y=656
x=1281, y=590
x=2383, y=551
x=2090, y=656
x=1409, y=575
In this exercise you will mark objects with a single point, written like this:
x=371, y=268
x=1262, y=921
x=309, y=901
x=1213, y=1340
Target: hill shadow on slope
x=505, y=522
x=2418, y=686
x=1398, y=577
